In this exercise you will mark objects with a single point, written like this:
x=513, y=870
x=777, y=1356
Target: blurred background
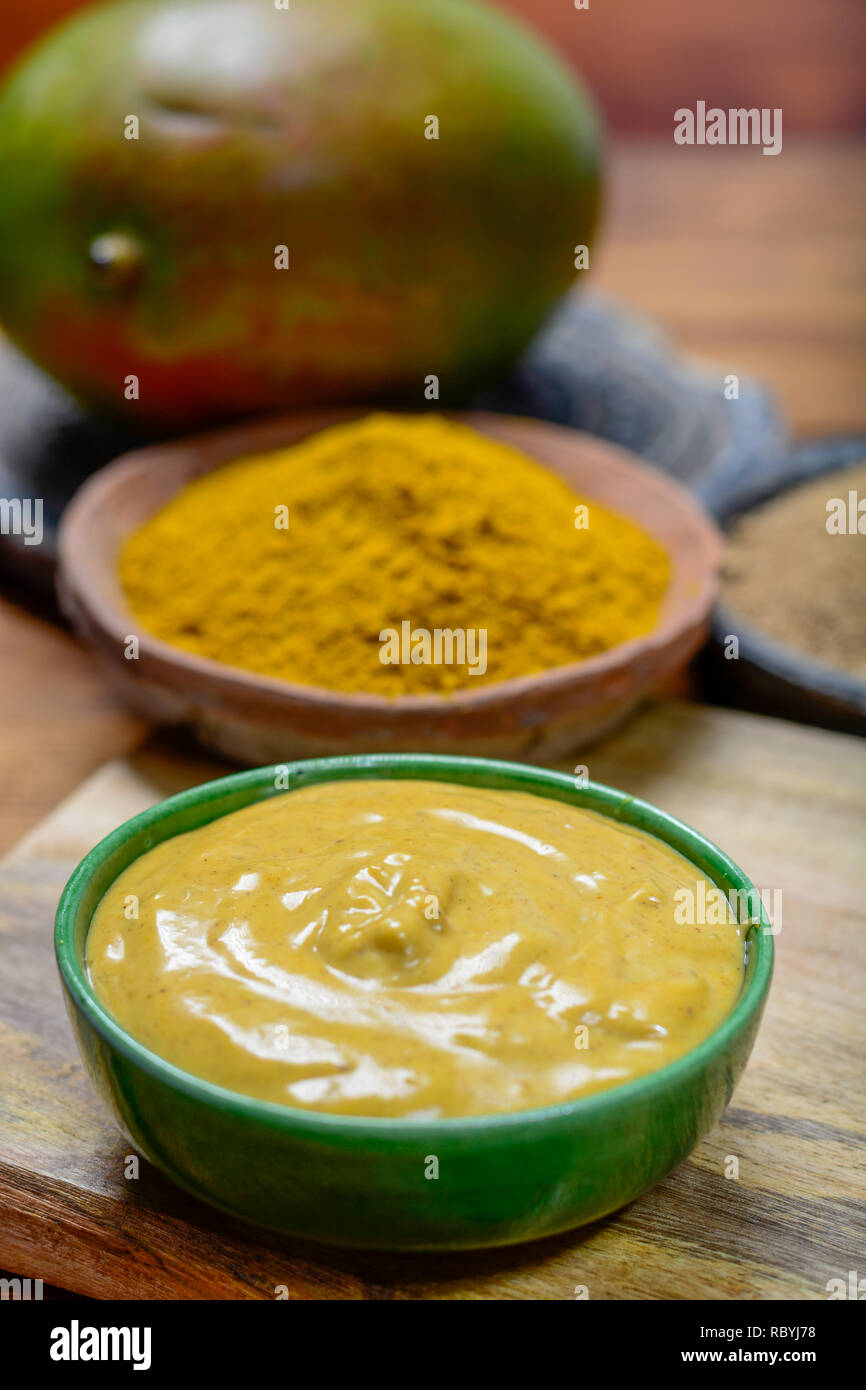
x=647, y=59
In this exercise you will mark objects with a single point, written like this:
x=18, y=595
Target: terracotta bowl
x=258, y=719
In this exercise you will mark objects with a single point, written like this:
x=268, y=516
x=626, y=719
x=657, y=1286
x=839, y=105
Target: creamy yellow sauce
x=412, y=948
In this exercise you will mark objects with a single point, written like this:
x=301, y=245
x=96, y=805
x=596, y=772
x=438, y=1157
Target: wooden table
x=755, y=263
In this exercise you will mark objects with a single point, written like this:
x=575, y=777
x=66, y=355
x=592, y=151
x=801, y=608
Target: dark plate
x=769, y=677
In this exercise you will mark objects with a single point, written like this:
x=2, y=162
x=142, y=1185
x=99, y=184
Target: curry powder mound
x=296, y=563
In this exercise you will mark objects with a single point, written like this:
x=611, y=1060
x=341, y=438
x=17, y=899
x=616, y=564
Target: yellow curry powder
x=297, y=563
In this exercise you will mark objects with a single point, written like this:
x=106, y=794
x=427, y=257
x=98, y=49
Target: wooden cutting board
x=786, y=802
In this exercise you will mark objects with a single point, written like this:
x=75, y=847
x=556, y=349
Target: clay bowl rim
x=82, y=580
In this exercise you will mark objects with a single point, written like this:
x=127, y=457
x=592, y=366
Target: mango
x=213, y=208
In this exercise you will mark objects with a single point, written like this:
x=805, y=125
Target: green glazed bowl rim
x=256, y=784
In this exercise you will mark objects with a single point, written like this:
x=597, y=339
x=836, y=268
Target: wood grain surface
x=786, y=802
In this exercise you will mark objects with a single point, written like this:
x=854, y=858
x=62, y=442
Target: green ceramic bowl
x=362, y=1182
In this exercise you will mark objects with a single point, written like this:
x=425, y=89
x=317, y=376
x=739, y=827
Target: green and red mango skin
x=305, y=128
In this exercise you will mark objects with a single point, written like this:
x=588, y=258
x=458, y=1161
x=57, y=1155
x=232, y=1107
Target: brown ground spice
x=785, y=573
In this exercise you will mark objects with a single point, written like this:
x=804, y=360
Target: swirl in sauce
x=412, y=948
